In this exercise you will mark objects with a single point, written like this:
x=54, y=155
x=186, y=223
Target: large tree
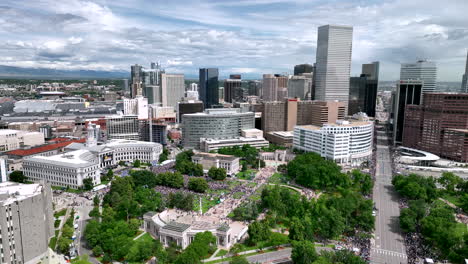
x=303, y=252
x=17, y=176
x=217, y=173
x=197, y=184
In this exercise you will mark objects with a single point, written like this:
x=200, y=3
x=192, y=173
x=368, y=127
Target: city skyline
x=245, y=37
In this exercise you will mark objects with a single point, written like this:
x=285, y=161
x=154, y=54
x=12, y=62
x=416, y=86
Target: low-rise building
x=15, y=139
x=345, y=142
x=27, y=222
x=207, y=160
x=172, y=226
x=209, y=144
x=66, y=170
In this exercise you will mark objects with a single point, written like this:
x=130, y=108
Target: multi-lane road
x=388, y=244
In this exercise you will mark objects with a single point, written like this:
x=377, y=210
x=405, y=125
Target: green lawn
x=238, y=195
x=276, y=178
x=84, y=259
x=461, y=229
x=52, y=242
x=222, y=252
x=246, y=175
x=70, y=190
x=60, y=213
x=452, y=198
x=145, y=238
x=206, y=204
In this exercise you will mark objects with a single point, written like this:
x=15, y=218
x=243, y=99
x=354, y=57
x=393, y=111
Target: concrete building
x=409, y=92
x=192, y=93
x=208, y=160
x=464, y=88
x=3, y=169
x=173, y=89
x=15, y=139
x=363, y=90
x=334, y=48
x=423, y=70
x=233, y=90
x=154, y=132
x=27, y=222
x=269, y=88
x=280, y=138
x=66, y=170
x=283, y=116
x=188, y=107
x=210, y=144
x=345, y=142
x=303, y=68
x=122, y=127
x=208, y=87
x=255, y=88
x=300, y=87
x=171, y=226
x=426, y=126
x=219, y=123
x=136, y=106
x=114, y=151
x=153, y=93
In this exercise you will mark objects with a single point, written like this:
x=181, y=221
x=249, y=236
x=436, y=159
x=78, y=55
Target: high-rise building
x=172, y=88
x=299, y=87
x=27, y=222
x=122, y=127
x=188, y=107
x=3, y=169
x=153, y=93
x=363, y=90
x=423, y=70
x=303, y=68
x=435, y=125
x=208, y=86
x=464, y=88
x=125, y=85
x=137, y=106
x=270, y=87
x=408, y=92
x=136, y=80
x=284, y=115
x=282, y=92
x=255, y=88
x=221, y=123
x=233, y=90
x=333, y=67
x=153, y=132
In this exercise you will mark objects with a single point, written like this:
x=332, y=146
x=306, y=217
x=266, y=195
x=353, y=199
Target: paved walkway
x=140, y=235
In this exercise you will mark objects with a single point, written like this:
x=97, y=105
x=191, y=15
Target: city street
x=388, y=246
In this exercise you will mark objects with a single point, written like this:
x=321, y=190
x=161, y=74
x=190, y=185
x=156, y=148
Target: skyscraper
x=233, y=90
x=409, y=92
x=421, y=70
x=172, y=88
x=270, y=87
x=303, y=68
x=334, y=48
x=464, y=88
x=208, y=89
x=136, y=79
x=363, y=90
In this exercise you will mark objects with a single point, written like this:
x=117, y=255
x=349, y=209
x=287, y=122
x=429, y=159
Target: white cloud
x=236, y=36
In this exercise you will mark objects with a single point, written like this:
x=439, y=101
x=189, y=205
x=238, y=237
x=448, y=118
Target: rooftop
x=77, y=158
x=214, y=156
x=12, y=191
x=43, y=148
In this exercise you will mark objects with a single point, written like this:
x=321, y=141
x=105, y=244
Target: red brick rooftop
x=44, y=148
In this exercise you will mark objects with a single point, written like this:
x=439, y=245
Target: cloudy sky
x=238, y=36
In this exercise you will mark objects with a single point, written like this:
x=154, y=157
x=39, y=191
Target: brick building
x=439, y=125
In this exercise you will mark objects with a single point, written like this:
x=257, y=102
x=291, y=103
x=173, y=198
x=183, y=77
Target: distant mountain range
x=44, y=73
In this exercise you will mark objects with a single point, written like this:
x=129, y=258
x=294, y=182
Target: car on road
x=338, y=247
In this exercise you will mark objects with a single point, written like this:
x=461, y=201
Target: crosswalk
x=389, y=253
